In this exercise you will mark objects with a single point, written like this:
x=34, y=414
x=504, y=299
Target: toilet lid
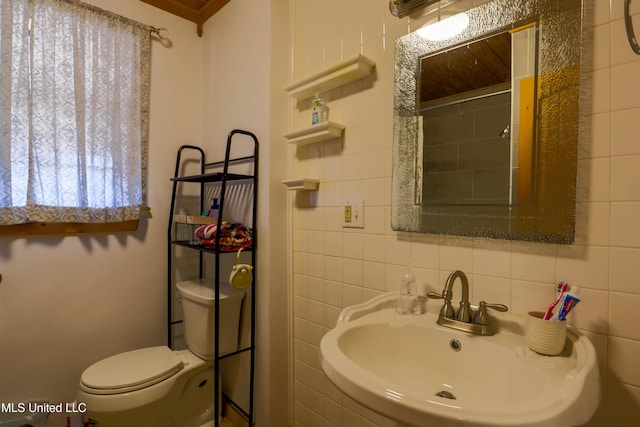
x=131, y=371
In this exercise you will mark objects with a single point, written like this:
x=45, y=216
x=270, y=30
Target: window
x=74, y=90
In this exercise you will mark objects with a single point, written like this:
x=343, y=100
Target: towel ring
x=628, y=23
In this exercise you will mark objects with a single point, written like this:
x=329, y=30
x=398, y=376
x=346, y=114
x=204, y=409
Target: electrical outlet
x=353, y=214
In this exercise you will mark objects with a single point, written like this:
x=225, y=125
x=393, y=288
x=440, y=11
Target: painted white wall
x=246, y=47
x=335, y=267
x=66, y=302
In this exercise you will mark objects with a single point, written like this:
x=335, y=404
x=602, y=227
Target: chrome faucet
x=465, y=319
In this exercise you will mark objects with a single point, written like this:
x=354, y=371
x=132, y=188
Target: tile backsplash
x=335, y=267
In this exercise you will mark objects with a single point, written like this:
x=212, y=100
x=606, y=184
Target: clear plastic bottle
x=408, y=301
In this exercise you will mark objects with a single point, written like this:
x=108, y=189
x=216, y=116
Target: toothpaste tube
x=569, y=301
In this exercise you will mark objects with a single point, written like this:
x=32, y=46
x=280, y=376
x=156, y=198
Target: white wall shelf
x=330, y=78
x=306, y=184
x=323, y=131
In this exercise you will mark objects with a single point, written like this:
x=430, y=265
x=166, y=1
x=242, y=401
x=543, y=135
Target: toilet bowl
x=160, y=387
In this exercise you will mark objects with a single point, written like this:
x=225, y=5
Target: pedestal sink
x=416, y=372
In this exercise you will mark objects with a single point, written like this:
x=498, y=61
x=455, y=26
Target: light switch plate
x=353, y=214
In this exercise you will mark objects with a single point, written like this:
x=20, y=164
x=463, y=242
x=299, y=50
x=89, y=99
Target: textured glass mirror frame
x=551, y=216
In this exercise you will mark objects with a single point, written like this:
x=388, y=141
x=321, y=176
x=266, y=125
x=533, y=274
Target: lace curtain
x=74, y=90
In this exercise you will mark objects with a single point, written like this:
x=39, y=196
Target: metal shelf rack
x=224, y=179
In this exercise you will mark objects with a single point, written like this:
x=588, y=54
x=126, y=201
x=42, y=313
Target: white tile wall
x=334, y=267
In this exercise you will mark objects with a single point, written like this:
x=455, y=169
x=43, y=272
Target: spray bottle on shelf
x=214, y=209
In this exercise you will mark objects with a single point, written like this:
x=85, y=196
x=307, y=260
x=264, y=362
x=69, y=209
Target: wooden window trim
x=37, y=228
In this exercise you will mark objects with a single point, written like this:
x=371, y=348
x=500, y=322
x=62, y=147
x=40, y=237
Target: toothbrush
x=561, y=288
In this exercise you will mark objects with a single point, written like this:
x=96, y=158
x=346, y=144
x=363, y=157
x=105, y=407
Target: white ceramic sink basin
x=416, y=372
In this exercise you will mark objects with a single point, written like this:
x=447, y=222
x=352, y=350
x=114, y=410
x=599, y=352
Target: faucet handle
x=497, y=307
x=435, y=295
x=482, y=318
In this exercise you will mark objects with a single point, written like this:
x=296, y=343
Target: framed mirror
x=486, y=123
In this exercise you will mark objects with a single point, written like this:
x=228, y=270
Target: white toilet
x=161, y=387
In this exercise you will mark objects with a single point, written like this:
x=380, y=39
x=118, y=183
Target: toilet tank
x=198, y=299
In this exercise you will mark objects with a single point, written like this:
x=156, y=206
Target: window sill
x=35, y=228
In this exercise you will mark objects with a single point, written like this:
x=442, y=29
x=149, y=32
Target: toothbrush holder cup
x=545, y=337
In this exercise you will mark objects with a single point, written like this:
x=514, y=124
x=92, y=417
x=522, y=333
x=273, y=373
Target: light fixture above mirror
x=402, y=8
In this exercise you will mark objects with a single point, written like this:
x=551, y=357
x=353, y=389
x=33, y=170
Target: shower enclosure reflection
x=475, y=111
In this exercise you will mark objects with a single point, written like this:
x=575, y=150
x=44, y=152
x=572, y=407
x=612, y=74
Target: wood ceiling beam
x=211, y=8
x=198, y=12
x=175, y=8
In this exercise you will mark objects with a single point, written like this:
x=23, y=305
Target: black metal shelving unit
x=224, y=179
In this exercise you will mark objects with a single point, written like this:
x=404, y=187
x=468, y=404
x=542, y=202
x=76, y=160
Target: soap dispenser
x=318, y=110
x=408, y=301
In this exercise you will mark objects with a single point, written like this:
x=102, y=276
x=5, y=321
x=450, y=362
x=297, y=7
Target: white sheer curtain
x=74, y=90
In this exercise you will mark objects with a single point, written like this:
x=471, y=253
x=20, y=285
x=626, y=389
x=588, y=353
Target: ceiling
x=197, y=11
x=473, y=66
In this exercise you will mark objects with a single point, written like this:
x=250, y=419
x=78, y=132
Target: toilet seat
x=131, y=371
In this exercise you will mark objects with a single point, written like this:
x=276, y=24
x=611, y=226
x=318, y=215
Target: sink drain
x=446, y=394
x=455, y=345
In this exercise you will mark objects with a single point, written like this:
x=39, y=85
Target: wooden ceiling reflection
x=473, y=66
x=198, y=11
